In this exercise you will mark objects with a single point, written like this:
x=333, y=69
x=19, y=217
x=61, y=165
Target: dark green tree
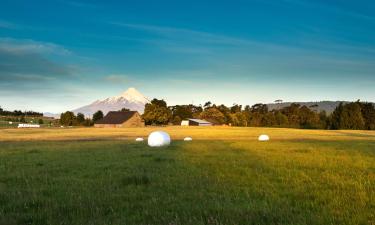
x=348, y=116
x=281, y=119
x=67, y=119
x=97, y=116
x=323, y=120
x=269, y=120
x=368, y=113
x=182, y=111
x=336, y=117
x=207, y=104
x=351, y=117
x=227, y=114
x=236, y=108
x=80, y=118
x=160, y=103
x=308, y=119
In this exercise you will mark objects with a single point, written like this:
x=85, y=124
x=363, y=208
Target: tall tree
x=213, y=115
x=368, y=113
x=80, y=118
x=336, y=117
x=207, y=104
x=281, y=119
x=351, y=117
x=226, y=112
x=67, y=119
x=348, y=116
x=182, y=111
x=307, y=118
x=97, y=116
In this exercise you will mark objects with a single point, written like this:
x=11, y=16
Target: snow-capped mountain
x=130, y=99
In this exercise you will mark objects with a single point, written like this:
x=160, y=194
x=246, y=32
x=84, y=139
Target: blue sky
x=58, y=55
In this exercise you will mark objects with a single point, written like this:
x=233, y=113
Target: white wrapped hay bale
x=139, y=139
x=264, y=137
x=159, y=139
x=188, y=139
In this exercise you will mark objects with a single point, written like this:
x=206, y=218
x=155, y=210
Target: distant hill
x=328, y=106
x=130, y=99
x=53, y=115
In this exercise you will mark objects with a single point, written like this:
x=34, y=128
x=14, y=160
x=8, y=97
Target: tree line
x=19, y=113
x=355, y=115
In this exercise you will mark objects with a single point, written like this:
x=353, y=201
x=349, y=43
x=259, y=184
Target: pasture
x=224, y=176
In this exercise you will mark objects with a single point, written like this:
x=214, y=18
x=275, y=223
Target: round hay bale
x=139, y=139
x=188, y=139
x=159, y=139
x=264, y=137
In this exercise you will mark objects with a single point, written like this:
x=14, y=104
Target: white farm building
x=195, y=122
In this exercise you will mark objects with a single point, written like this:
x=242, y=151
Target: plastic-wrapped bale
x=159, y=139
x=264, y=137
x=139, y=139
x=188, y=139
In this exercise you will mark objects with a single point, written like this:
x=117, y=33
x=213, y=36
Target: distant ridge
x=130, y=99
x=328, y=106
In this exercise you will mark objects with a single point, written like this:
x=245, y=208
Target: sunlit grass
x=202, y=133
x=299, y=177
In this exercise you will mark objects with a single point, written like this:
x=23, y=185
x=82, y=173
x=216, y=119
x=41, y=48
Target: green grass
x=199, y=182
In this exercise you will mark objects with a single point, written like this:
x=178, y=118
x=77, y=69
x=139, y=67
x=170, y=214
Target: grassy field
x=225, y=176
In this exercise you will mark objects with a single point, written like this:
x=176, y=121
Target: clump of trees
x=355, y=115
x=68, y=118
x=157, y=113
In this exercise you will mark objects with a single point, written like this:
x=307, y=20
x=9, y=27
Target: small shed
x=26, y=125
x=121, y=119
x=195, y=122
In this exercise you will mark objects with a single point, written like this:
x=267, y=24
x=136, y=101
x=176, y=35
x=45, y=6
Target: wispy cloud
x=25, y=61
x=117, y=79
x=188, y=34
x=80, y=4
x=184, y=40
x=31, y=46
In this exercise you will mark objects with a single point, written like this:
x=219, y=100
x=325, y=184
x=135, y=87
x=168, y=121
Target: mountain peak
x=133, y=95
x=131, y=92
